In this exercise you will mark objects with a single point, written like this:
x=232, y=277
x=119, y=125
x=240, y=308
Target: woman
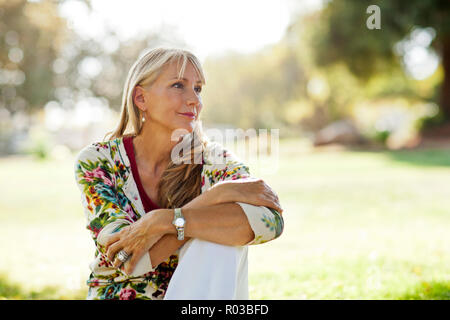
x=158, y=215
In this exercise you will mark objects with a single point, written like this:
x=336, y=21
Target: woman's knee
x=214, y=251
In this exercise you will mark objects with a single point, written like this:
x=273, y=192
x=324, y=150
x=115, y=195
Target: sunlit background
x=363, y=116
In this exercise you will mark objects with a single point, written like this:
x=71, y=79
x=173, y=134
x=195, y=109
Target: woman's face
x=170, y=102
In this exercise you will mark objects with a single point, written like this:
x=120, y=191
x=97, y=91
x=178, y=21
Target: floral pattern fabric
x=110, y=198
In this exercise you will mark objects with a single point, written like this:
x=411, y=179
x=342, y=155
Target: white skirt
x=209, y=271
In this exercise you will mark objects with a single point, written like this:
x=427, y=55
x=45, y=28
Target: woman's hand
x=250, y=190
x=135, y=239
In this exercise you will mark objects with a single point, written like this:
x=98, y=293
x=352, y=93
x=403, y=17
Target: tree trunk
x=445, y=91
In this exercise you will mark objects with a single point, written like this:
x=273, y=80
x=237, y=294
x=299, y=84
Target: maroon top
x=146, y=201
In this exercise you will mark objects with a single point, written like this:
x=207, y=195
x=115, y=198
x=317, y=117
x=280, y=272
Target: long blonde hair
x=180, y=182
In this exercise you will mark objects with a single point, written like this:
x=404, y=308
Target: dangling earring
x=143, y=118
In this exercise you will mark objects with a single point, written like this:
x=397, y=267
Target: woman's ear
x=139, y=97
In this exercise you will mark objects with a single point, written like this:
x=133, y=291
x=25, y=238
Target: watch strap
x=180, y=233
x=177, y=214
x=180, y=230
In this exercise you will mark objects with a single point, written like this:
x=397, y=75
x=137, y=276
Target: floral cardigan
x=111, y=201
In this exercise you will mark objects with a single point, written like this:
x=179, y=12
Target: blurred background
x=363, y=117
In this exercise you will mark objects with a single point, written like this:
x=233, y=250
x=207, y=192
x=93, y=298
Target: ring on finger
x=123, y=256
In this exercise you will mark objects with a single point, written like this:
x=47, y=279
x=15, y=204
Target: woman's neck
x=153, y=148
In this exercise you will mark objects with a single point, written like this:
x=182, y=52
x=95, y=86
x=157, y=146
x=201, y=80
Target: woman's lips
x=188, y=114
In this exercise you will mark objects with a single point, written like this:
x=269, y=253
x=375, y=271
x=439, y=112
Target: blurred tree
x=94, y=68
x=32, y=34
x=43, y=59
x=253, y=90
x=99, y=67
x=342, y=36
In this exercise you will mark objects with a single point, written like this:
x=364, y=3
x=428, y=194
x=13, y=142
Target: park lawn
x=358, y=225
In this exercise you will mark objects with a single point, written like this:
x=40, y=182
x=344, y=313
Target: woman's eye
x=199, y=89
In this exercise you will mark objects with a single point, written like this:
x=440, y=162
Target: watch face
x=179, y=222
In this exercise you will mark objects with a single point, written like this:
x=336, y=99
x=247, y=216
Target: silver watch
x=179, y=222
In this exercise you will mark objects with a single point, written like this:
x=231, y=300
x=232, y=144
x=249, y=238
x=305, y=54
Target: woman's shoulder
x=99, y=150
x=214, y=153
x=221, y=164
x=219, y=157
x=102, y=158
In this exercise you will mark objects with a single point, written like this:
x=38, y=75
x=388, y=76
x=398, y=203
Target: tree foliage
x=32, y=35
x=341, y=36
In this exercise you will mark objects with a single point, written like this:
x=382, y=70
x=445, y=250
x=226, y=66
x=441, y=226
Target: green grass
x=358, y=225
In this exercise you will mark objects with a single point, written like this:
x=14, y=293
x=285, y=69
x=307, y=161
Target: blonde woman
x=166, y=223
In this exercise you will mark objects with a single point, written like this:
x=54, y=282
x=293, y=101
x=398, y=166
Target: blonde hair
x=179, y=183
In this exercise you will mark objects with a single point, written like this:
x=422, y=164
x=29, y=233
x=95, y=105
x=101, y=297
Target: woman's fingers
x=112, y=238
x=273, y=203
x=274, y=197
x=271, y=191
x=278, y=205
x=117, y=263
x=137, y=252
x=112, y=250
x=131, y=256
x=130, y=264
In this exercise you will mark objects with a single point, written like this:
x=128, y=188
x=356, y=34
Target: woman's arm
x=224, y=223
x=249, y=198
x=94, y=176
x=250, y=191
x=164, y=248
x=265, y=218
x=169, y=243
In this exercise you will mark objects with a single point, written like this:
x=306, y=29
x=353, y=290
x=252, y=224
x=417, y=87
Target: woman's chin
x=185, y=126
x=188, y=125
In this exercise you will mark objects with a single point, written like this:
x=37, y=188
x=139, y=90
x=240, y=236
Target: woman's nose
x=194, y=100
